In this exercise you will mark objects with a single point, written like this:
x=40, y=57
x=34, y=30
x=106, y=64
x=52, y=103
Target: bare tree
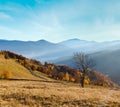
x=83, y=63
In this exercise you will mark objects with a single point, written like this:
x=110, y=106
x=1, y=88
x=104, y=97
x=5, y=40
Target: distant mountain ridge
x=30, y=49
x=106, y=54
x=45, y=50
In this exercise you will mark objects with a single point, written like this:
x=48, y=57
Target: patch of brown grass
x=55, y=94
x=15, y=69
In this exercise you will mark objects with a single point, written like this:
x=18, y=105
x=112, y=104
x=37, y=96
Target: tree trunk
x=82, y=81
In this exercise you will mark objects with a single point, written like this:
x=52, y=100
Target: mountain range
x=105, y=54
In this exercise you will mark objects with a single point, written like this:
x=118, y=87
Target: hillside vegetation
x=18, y=66
x=13, y=69
x=10, y=69
x=106, y=54
x=33, y=84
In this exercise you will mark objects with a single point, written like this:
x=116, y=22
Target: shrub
x=33, y=67
x=6, y=56
x=6, y=75
x=66, y=76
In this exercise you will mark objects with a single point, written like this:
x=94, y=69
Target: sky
x=59, y=20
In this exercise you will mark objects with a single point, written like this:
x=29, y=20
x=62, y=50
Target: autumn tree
x=33, y=67
x=6, y=56
x=6, y=75
x=61, y=75
x=67, y=76
x=83, y=63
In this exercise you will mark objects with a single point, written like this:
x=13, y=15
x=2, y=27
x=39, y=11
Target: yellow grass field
x=25, y=90
x=39, y=93
x=16, y=70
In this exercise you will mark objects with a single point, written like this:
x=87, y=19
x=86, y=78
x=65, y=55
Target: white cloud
x=102, y=31
x=9, y=30
x=61, y=20
x=5, y=16
x=6, y=32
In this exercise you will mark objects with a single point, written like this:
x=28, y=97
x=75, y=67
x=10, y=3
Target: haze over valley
x=105, y=54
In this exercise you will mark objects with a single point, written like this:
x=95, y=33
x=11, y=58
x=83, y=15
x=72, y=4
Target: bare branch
x=83, y=62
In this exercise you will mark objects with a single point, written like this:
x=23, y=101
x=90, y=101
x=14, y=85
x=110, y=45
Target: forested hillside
x=57, y=72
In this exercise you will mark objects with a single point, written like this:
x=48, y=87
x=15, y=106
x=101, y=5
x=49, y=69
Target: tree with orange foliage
x=33, y=67
x=67, y=76
x=6, y=75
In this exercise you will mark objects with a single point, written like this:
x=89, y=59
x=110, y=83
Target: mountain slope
x=47, y=51
x=23, y=67
x=41, y=49
x=107, y=62
x=90, y=46
x=61, y=53
x=16, y=70
x=13, y=66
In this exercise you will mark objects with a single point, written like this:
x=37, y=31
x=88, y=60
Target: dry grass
x=55, y=94
x=29, y=91
x=16, y=70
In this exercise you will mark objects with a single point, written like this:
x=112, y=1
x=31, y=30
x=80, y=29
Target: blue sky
x=58, y=20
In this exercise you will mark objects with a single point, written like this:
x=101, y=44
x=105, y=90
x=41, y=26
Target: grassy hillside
x=16, y=70
x=18, y=66
x=48, y=93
